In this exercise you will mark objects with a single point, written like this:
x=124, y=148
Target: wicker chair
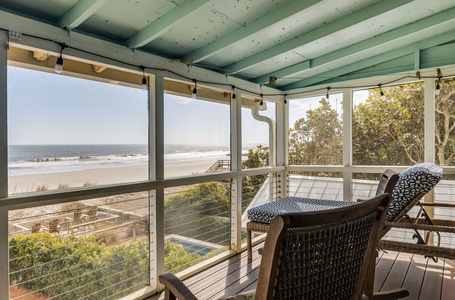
x=54, y=226
x=386, y=185
x=36, y=228
x=312, y=255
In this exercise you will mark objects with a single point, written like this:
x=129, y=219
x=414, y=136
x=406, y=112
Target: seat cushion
x=264, y=213
x=420, y=178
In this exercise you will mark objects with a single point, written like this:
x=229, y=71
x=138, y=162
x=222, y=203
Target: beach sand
x=100, y=176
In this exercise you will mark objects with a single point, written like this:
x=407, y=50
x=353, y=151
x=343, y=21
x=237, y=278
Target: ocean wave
x=83, y=158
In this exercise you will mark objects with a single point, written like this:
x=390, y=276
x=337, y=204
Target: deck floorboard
x=424, y=278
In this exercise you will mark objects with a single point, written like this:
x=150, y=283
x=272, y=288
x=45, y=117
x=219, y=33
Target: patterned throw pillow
x=420, y=178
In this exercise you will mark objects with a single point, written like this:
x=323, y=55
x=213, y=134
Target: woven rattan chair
x=386, y=185
x=54, y=226
x=312, y=255
x=36, y=228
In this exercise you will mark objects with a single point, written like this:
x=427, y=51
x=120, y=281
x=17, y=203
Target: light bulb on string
x=144, y=80
x=327, y=94
x=437, y=90
x=59, y=63
x=262, y=104
x=381, y=92
x=194, y=93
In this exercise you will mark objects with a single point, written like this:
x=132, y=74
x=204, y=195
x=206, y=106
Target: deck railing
x=121, y=250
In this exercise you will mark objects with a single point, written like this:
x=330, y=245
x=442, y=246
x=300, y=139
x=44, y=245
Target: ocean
x=36, y=159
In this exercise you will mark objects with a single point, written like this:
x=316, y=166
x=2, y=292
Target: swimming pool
x=195, y=246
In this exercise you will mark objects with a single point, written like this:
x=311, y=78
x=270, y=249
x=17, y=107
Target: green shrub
x=71, y=268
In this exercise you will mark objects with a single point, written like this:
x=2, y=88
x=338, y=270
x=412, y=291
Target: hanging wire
x=218, y=83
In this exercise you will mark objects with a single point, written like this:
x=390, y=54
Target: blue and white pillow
x=420, y=178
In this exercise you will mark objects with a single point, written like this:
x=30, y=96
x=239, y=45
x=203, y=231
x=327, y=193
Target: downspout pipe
x=272, y=134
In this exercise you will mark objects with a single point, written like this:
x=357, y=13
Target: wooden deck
x=425, y=279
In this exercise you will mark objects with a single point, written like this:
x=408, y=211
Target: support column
x=347, y=145
x=4, y=267
x=156, y=172
x=282, y=140
x=236, y=165
x=429, y=135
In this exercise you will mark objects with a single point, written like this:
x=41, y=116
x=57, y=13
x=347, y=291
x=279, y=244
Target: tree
x=445, y=123
x=389, y=130
x=317, y=140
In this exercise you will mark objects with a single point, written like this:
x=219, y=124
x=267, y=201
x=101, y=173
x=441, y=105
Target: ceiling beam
x=163, y=24
x=79, y=13
x=377, y=42
x=39, y=35
x=320, y=32
x=262, y=23
x=378, y=59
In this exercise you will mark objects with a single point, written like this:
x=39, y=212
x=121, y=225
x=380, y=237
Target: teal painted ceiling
x=302, y=43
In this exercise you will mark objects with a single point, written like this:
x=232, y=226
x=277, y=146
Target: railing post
x=156, y=172
x=236, y=165
x=4, y=263
x=429, y=138
x=347, y=145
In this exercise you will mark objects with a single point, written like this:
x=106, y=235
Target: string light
x=194, y=94
x=327, y=95
x=59, y=63
x=285, y=100
x=381, y=92
x=233, y=92
x=437, y=90
x=59, y=68
x=144, y=80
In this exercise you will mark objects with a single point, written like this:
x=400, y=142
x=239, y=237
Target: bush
x=71, y=268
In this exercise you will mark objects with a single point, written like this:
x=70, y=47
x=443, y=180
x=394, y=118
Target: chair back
x=54, y=226
x=321, y=254
x=77, y=215
x=93, y=212
x=387, y=182
x=36, y=228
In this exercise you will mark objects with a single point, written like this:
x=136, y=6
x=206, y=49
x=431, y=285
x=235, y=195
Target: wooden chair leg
x=369, y=282
x=387, y=295
x=249, y=245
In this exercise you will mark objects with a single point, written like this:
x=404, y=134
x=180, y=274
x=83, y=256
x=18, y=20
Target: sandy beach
x=101, y=176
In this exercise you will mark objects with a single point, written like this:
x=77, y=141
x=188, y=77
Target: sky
x=49, y=108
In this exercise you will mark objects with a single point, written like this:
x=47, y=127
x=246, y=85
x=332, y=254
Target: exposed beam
x=262, y=23
x=377, y=42
x=340, y=24
x=79, y=13
x=110, y=54
x=378, y=59
x=163, y=24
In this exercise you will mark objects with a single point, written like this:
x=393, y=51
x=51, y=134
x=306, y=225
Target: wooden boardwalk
x=425, y=279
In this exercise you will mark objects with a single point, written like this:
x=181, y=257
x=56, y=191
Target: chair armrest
x=391, y=294
x=175, y=288
x=449, y=229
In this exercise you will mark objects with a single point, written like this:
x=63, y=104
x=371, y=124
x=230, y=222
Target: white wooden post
x=4, y=264
x=236, y=165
